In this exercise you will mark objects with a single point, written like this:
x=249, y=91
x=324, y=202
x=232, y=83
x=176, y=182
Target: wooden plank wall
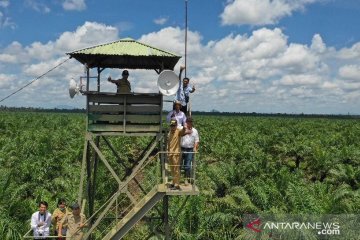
x=127, y=113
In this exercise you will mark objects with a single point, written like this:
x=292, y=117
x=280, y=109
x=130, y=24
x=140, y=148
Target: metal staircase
x=136, y=214
x=120, y=213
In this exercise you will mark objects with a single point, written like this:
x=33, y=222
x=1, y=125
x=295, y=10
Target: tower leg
x=166, y=217
x=83, y=170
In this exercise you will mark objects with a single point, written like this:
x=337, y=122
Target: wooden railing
x=127, y=113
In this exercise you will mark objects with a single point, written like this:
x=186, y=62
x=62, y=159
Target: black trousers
x=184, y=109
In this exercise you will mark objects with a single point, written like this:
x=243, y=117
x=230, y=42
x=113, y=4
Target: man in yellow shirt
x=174, y=149
x=58, y=215
x=75, y=222
x=123, y=84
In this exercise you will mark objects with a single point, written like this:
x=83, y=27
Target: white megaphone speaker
x=168, y=82
x=73, y=88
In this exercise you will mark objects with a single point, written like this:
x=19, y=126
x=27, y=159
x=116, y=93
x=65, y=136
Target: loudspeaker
x=73, y=88
x=168, y=82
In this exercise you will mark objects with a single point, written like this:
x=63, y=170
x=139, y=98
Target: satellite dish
x=168, y=82
x=73, y=88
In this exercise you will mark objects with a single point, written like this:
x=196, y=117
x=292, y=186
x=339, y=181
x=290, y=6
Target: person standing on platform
x=189, y=145
x=177, y=114
x=75, y=223
x=173, y=149
x=183, y=93
x=58, y=215
x=41, y=221
x=123, y=84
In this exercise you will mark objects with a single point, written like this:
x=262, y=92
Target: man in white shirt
x=41, y=221
x=189, y=145
x=177, y=114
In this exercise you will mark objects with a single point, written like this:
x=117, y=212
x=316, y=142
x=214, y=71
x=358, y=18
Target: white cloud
x=350, y=53
x=6, y=21
x=38, y=6
x=6, y=79
x=4, y=3
x=205, y=76
x=14, y=54
x=40, y=51
x=77, y=5
x=262, y=65
x=260, y=12
x=37, y=69
x=37, y=58
x=89, y=34
x=172, y=39
x=302, y=92
x=350, y=72
x=297, y=59
x=330, y=86
x=161, y=20
x=352, y=97
x=264, y=43
x=7, y=58
x=350, y=86
x=317, y=44
x=300, y=79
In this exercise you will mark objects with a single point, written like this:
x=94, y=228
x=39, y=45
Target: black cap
x=125, y=72
x=75, y=206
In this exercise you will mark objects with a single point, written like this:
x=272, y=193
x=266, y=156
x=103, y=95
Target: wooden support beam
x=83, y=169
x=102, y=157
x=115, y=154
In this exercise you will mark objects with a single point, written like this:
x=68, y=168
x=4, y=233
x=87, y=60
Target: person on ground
x=58, y=215
x=177, y=114
x=123, y=84
x=75, y=221
x=41, y=221
x=189, y=145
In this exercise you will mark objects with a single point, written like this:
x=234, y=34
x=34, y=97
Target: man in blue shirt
x=183, y=93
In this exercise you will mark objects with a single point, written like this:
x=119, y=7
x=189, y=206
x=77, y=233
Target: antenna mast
x=186, y=29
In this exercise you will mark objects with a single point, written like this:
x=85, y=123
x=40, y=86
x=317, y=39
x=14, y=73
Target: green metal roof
x=126, y=53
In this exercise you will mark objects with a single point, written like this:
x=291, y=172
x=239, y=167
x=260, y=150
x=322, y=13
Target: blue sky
x=288, y=56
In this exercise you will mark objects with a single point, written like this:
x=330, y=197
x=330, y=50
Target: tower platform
x=190, y=189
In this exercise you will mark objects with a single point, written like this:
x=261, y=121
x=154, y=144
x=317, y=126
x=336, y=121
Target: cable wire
x=34, y=80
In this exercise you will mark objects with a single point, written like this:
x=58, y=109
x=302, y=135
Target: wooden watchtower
x=136, y=185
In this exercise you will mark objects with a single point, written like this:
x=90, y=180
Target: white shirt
x=189, y=140
x=43, y=230
x=180, y=117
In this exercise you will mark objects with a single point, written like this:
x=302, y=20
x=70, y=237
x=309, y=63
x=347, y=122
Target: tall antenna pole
x=186, y=29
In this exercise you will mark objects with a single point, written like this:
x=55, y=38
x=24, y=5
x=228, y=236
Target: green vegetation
x=246, y=164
